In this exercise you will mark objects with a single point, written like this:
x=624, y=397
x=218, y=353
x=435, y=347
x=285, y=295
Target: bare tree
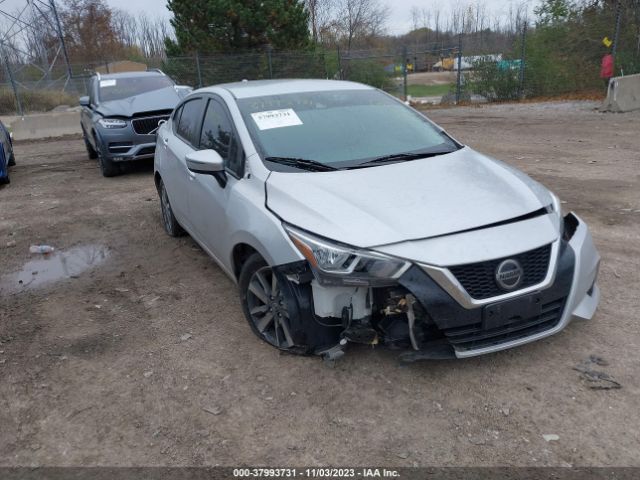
x=517, y=16
x=361, y=19
x=141, y=33
x=436, y=22
x=320, y=12
x=456, y=18
x=89, y=32
x=126, y=27
x=426, y=23
x=415, y=17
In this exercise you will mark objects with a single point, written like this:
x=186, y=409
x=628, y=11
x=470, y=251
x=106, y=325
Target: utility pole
x=459, y=78
x=198, y=71
x=270, y=60
x=522, y=61
x=13, y=83
x=616, y=34
x=40, y=50
x=61, y=38
x=404, y=72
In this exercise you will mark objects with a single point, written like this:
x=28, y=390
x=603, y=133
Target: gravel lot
x=146, y=359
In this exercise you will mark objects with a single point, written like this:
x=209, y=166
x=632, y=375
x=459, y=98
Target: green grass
x=429, y=90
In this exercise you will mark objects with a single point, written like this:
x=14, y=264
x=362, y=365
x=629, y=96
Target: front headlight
x=333, y=263
x=112, y=123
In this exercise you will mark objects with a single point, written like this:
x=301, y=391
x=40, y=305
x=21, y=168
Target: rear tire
x=169, y=222
x=264, y=304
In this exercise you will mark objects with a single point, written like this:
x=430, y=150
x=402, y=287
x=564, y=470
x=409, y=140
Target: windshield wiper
x=399, y=157
x=302, y=163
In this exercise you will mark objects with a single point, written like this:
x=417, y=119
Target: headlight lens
x=112, y=123
x=334, y=263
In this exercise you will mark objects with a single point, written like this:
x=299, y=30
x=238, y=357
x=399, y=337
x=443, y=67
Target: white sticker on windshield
x=276, y=119
x=108, y=83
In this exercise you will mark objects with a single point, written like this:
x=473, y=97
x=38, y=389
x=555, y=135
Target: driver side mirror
x=84, y=101
x=207, y=162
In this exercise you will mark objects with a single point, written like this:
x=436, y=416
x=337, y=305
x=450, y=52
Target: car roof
x=259, y=88
x=151, y=73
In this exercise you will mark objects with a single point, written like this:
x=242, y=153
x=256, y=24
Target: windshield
x=342, y=129
x=119, y=88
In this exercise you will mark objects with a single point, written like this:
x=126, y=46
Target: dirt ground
x=146, y=359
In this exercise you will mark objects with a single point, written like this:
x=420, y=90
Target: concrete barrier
x=43, y=125
x=623, y=94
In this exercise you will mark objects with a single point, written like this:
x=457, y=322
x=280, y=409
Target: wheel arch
x=96, y=139
x=239, y=255
x=264, y=237
x=157, y=178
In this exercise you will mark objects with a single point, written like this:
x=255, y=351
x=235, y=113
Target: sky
x=399, y=20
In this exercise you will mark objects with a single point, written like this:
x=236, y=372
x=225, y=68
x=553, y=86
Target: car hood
x=163, y=99
x=405, y=201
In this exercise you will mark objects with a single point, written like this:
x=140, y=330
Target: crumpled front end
x=459, y=309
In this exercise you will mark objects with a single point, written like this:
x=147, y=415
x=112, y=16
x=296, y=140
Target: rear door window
x=190, y=121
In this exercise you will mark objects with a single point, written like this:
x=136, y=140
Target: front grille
x=471, y=337
x=147, y=125
x=479, y=279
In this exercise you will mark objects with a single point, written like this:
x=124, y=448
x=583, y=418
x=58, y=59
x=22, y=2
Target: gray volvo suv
x=120, y=116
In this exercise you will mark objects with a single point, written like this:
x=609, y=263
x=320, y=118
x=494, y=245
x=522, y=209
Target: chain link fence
x=537, y=64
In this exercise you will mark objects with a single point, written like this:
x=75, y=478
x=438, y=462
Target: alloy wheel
x=268, y=309
x=166, y=211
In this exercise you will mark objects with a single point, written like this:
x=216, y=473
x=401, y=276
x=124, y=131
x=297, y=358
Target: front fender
x=280, y=249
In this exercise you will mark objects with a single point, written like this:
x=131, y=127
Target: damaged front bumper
x=583, y=295
x=424, y=315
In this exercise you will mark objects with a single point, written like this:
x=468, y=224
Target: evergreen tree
x=223, y=25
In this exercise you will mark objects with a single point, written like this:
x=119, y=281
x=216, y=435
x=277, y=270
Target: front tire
x=90, y=150
x=169, y=222
x=108, y=167
x=12, y=160
x=263, y=303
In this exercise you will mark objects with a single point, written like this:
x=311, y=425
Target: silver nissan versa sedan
x=346, y=216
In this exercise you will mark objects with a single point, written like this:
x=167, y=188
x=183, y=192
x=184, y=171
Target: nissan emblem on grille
x=509, y=274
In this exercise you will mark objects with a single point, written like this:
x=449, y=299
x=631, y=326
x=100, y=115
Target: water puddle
x=59, y=265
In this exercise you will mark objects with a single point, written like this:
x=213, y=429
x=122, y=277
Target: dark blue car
x=7, y=159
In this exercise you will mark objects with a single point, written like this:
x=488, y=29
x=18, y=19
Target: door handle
x=165, y=140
